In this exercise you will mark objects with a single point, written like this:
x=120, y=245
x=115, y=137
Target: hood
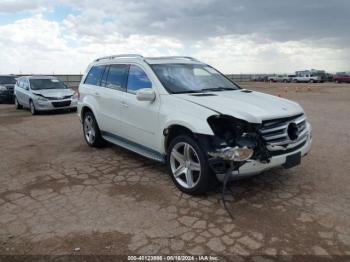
x=55, y=93
x=251, y=106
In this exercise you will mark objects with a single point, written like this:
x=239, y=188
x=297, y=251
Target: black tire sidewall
x=207, y=178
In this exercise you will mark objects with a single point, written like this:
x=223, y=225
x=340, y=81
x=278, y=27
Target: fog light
x=238, y=154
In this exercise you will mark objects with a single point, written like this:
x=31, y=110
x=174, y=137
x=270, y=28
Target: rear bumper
x=49, y=104
x=254, y=167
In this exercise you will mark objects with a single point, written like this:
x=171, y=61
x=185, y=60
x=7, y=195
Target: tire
x=92, y=133
x=32, y=109
x=186, y=157
x=312, y=81
x=17, y=104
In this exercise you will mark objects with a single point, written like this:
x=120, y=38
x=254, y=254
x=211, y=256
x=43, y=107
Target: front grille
x=61, y=104
x=58, y=98
x=275, y=134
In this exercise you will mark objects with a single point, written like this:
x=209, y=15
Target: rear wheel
x=188, y=166
x=17, y=104
x=91, y=130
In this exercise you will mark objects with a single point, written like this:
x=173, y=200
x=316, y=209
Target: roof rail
x=117, y=56
x=174, y=57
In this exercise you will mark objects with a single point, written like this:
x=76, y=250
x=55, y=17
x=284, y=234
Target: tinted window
x=52, y=83
x=117, y=76
x=94, y=76
x=7, y=80
x=137, y=79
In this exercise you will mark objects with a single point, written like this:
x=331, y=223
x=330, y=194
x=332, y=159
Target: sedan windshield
x=37, y=84
x=191, y=78
x=7, y=80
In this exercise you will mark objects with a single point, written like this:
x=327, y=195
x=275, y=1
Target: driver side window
x=137, y=80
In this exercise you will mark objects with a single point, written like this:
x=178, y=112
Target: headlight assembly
x=3, y=88
x=40, y=98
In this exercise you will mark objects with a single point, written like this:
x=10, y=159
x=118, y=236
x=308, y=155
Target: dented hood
x=56, y=93
x=251, y=106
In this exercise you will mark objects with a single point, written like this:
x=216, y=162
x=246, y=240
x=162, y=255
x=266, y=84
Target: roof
x=39, y=77
x=150, y=60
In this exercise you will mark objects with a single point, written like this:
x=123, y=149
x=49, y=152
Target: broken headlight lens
x=237, y=154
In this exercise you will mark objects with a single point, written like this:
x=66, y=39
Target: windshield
x=37, y=84
x=191, y=78
x=7, y=80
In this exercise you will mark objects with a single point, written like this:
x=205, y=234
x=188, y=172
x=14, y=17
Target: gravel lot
x=57, y=194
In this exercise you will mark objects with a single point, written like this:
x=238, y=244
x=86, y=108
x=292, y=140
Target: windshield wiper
x=220, y=88
x=188, y=92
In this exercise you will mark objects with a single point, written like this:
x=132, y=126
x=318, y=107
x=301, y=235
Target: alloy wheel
x=89, y=130
x=185, y=165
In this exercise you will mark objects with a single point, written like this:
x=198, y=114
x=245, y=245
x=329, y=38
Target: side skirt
x=132, y=146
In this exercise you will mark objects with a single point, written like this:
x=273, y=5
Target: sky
x=235, y=36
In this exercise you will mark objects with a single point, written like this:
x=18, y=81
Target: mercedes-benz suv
x=185, y=113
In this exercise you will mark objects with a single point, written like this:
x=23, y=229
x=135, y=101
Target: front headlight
x=40, y=98
x=238, y=154
x=3, y=88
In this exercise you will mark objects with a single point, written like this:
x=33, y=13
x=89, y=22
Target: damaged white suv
x=185, y=113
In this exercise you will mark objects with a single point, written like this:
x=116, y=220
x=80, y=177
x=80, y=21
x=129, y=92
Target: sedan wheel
x=32, y=108
x=17, y=104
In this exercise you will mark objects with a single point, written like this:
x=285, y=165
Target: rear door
x=26, y=92
x=140, y=118
x=92, y=90
x=113, y=85
x=19, y=91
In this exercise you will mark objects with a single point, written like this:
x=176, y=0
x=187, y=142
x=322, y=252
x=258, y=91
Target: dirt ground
x=59, y=196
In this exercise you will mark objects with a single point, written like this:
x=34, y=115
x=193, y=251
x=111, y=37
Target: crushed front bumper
x=254, y=167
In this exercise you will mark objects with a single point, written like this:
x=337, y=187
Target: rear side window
x=117, y=77
x=94, y=75
x=137, y=80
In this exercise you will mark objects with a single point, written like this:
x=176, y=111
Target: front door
x=140, y=118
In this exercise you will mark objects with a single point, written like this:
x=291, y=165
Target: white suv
x=185, y=113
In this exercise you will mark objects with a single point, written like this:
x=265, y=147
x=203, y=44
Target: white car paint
x=143, y=122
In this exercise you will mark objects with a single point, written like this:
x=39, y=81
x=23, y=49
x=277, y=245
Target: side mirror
x=146, y=94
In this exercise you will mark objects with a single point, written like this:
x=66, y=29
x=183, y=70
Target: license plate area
x=292, y=160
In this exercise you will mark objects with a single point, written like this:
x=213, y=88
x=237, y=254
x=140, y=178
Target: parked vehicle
x=279, y=78
x=43, y=93
x=341, y=77
x=7, y=83
x=185, y=113
x=309, y=76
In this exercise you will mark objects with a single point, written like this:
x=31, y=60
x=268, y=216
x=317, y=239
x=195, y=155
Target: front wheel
x=91, y=130
x=17, y=104
x=32, y=108
x=188, y=166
